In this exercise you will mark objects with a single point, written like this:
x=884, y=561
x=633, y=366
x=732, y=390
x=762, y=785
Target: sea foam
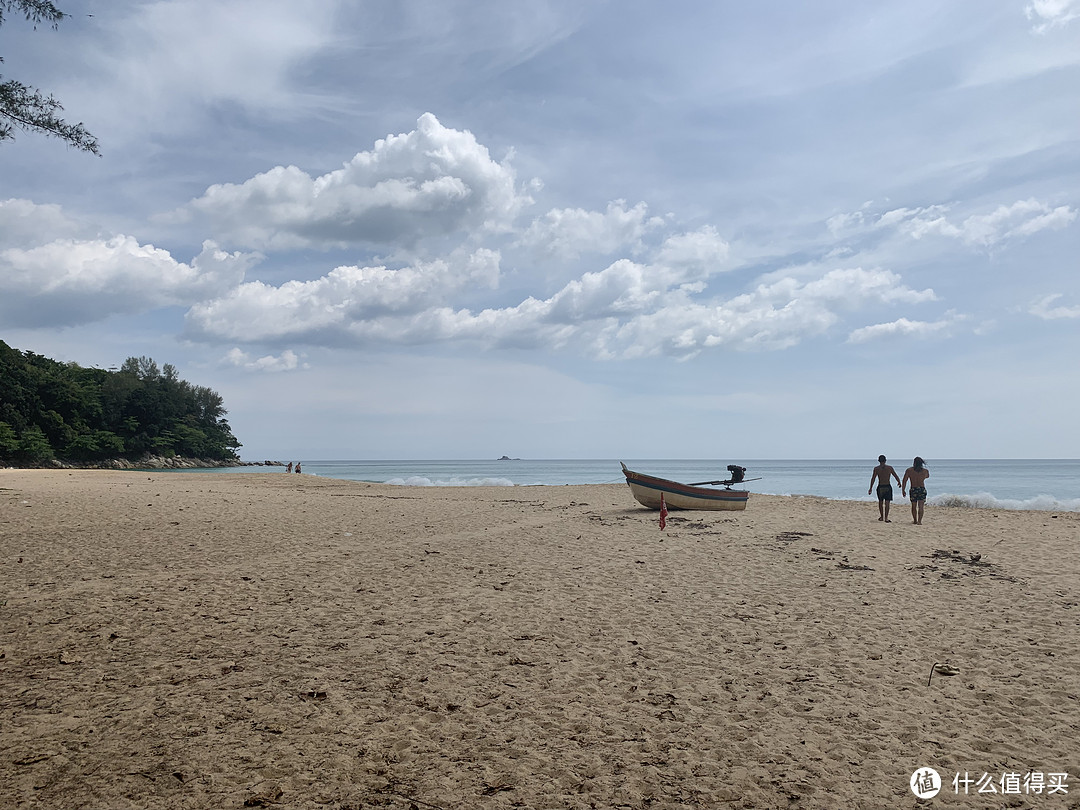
x=422, y=481
x=984, y=500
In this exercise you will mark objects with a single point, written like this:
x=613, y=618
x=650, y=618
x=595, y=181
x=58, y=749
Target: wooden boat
x=647, y=489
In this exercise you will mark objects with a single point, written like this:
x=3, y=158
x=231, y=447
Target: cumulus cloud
x=1007, y=222
x=702, y=251
x=623, y=288
x=1043, y=309
x=325, y=310
x=378, y=304
x=1049, y=14
x=25, y=224
x=569, y=232
x=626, y=287
x=1022, y=218
x=775, y=315
x=432, y=181
x=67, y=281
x=902, y=328
x=628, y=309
x=288, y=360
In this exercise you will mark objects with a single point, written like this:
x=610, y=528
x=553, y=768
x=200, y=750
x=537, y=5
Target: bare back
x=883, y=474
x=917, y=478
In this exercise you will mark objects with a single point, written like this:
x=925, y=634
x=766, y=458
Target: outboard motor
x=737, y=473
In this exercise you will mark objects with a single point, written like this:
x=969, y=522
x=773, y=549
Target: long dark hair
x=919, y=463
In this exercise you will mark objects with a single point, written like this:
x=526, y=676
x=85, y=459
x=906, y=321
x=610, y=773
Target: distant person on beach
x=289, y=468
x=917, y=475
x=881, y=474
x=298, y=466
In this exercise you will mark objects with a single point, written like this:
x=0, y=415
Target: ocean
x=1044, y=484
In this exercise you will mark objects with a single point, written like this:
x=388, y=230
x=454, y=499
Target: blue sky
x=443, y=229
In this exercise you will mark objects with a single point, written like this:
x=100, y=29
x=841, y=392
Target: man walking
x=884, y=488
x=917, y=475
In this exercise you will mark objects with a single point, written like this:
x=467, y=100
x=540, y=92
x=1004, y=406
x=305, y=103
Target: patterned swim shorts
x=918, y=493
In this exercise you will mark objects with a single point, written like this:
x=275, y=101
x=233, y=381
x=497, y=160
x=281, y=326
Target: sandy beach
x=204, y=640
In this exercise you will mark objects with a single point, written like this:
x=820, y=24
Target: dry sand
x=193, y=640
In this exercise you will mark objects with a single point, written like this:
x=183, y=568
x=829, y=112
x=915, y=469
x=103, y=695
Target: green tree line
x=51, y=410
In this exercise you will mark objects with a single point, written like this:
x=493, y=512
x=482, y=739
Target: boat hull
x=647, y=490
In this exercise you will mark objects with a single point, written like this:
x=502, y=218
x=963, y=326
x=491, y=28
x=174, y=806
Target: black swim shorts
x=884, y=492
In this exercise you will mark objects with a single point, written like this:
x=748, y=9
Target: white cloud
x=68, y=282
x=328, y=308
x=626, y=287
x=1022, y=218
x=569, y=232
x=775, y=315
x=855, y=286
x=1007, y=222
x=288, y=360
x=919, y=222
x=623, y=288
x=25, y=224
x=1052, y=13
x=432, y=181
x=629, y=309
x=902, y=327
x=839, y=223
x=703, y=250
x=1042, y=309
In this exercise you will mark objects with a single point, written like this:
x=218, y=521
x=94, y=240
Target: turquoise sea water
x=999, y=483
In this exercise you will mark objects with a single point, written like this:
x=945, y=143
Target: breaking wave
x=422, y=481
x=984, y=500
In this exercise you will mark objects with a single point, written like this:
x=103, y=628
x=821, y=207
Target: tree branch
x=30, y=110
x=35, y=11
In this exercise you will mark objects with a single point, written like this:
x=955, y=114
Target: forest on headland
x=57, y=413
